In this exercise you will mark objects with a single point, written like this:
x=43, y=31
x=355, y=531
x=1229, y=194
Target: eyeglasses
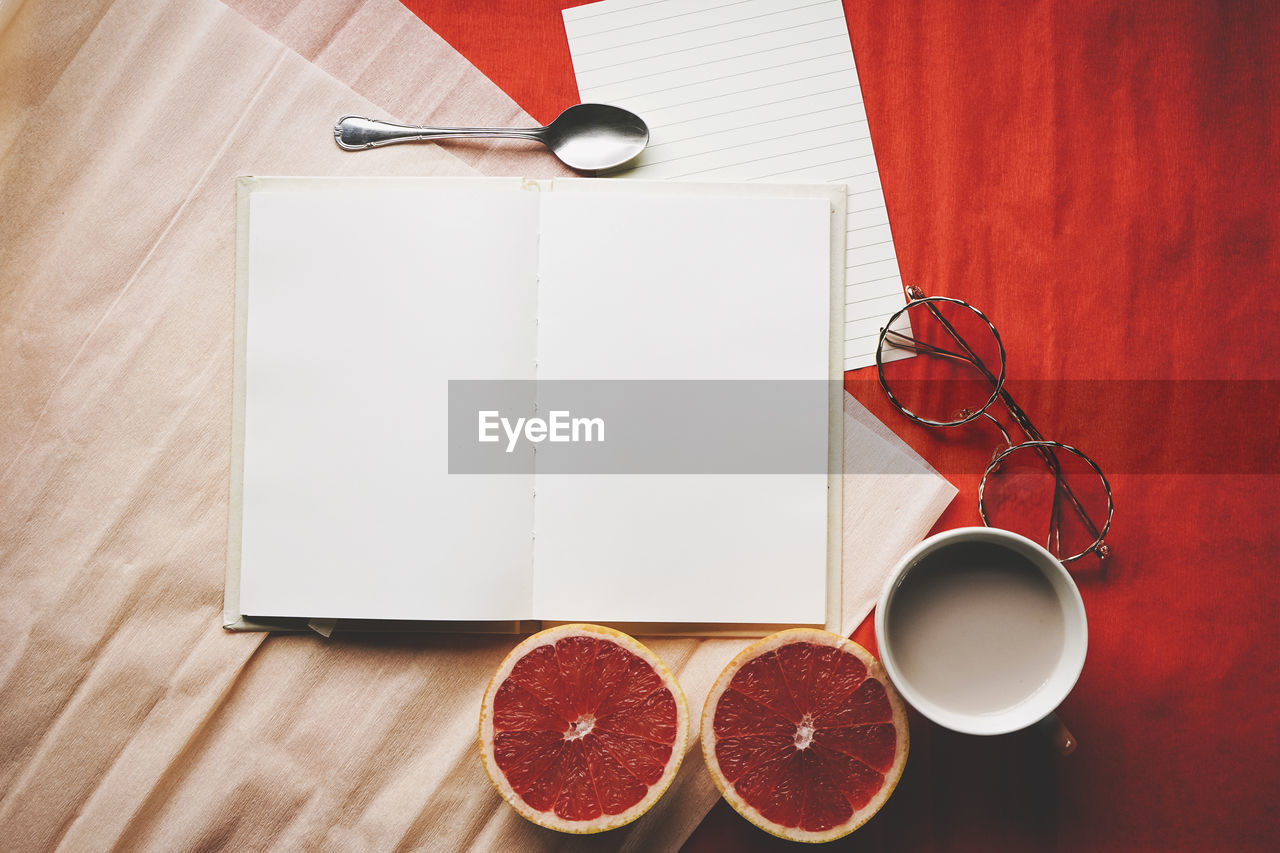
x=1048, y=491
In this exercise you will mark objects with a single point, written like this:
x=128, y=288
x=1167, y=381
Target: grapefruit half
x=582, y=728
x=804, y=735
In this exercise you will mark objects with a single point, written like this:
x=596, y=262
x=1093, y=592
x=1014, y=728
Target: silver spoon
x=586, y=137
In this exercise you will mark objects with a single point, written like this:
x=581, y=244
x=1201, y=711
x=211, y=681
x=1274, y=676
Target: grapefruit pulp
x=582, y=728
x=804, y=735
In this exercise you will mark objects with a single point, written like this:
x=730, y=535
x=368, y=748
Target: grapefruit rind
x=605, y=822
x=874, y=670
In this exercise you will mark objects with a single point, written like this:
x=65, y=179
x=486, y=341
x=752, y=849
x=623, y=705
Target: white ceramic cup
x=983, y=649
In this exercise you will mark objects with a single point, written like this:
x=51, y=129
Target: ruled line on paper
x=686, y=49
x=677, y=85
x=750, y=90
x=588, y=15
x=767, y=139
x=761, y=105
x=751, y=125
x=706, y=62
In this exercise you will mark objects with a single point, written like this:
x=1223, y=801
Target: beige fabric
x=383, y=51
x=127, y=716
x=892, y=496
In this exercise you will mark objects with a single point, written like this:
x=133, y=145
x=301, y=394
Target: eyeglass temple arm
x=951, y=330
x=919, y=346
x=1053, y=541
x=898, y=339
x=1050, y=460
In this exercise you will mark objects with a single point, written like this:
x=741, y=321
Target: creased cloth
x=128, y=717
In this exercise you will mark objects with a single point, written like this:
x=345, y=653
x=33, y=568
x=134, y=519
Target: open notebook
x=391, y=332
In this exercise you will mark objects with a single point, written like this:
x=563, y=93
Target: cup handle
x=1063, y=741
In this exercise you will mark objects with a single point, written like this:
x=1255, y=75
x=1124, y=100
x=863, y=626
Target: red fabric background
x=1100, y=178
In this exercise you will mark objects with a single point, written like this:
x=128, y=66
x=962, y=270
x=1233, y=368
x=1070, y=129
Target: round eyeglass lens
x=1049, y=493
x=940, y=361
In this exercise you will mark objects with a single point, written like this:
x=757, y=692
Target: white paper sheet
x=363, y=304
x=636, y=286
x=716, y=287
x=756, y=90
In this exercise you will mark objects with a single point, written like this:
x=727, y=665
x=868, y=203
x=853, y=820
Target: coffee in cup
x=982, y=631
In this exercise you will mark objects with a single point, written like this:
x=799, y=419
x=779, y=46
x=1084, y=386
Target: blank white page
x=755, y=90
x=636, y=287
x=362, y=303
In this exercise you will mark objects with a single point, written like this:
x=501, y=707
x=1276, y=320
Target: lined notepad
x=758, y=90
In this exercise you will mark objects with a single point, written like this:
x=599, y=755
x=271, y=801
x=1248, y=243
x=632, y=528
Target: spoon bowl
x=590, y=137
x=585, y=137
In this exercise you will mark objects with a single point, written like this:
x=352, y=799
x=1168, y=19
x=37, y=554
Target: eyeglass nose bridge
x=1008, y=441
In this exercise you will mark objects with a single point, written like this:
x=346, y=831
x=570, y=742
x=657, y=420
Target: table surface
x=1101, y=179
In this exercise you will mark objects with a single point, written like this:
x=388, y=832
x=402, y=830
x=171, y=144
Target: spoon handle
x=354, y=133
